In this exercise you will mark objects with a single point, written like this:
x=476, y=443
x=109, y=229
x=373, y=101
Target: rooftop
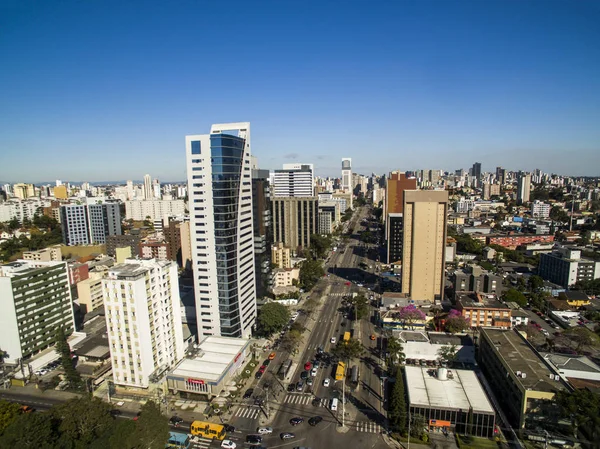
x=520, y=357
x=479, y=300
x=449, y=339
x=572, y=362
x=20, y=267
x=214, y=356
x=458, y=393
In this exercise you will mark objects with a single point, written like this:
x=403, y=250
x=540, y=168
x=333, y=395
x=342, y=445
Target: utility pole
x=344, y=399
x=409, y=426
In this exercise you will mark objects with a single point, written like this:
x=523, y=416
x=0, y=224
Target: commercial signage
x=195, y=381
x=439, y=423
x=237, y=357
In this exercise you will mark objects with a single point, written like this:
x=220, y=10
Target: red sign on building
x=195, y=381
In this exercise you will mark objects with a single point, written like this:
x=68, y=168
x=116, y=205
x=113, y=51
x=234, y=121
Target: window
x=196, y=147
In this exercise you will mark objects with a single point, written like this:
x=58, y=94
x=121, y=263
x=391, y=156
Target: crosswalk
x=201, y=442
x=299, y=398
x=337, y=294
x=367, y=426
x=251, y=412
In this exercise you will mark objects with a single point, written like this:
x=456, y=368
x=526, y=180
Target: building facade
x=424, y=243
x=540, y=209
x=143, y=320
x=476, y=279
x=35, y=300
x=139, y=210
x=221, y=229
x=523, y=187
x=565, y=267
x=346, y=174
x=397, y=184
x=281, y=256
x=89, y=224
x=294, y=180
x=295, y=219
x=482, y=310
x=263, y=229
x=89, y=293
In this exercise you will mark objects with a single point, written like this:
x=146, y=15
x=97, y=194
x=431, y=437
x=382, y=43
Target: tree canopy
x=63, y=348
x=395, y=352
x=397, y=405
x=272, y=317
x=455, y=322
x=311, y=271
x=347, y=350
x=320, y=245
x=514, y=295
x=360, y=307
x=448, y=353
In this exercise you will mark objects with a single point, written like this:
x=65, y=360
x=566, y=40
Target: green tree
x=360, y=307
x=348, y=350
x=32, y=431
x=63, y=348
x=582, y=407
x=418, y=424
x=151, y=430
x=448, y=354
x=557, y=213
x=395, y=352
x=320, y=245
x=535, y=283
x=272, y=317
x=455, y=322
x=311, y=271
x=514, y=295
x=14, y=224
x=291, y=340
x=9, y=411
x=82, y=421
x=581, y=338
x=122, y=431
x=397, y=405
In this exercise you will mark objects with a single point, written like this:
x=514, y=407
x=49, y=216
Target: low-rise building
x=523, y=383
x=513, y=241
x=284, y=277
x=210, y=367
x=281, y=256
x=565, y=266
x=474, y=278
x=575, y=298
x=89, y=293
x=50, y=254
x=483, y=310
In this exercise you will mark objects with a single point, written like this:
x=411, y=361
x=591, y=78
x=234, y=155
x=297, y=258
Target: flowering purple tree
x=410, y=315
x=456, y=322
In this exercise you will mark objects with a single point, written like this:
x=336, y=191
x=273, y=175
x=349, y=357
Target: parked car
x=300, y=386
x=248, y=393
x=313, y=372
x=258, y=374
x=315, y=420
x=326, y=382
x=272, y=355
x=253, y=439
x=228, y=444
x=333, y=340
x=287, y=435
x=264, y=430
x=296, y=420
x=307, y=366
x=175, y=420
x=262, y=368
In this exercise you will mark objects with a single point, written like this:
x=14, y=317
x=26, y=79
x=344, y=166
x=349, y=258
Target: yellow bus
x=208, y=430
x=340, y=371
x=346, y=336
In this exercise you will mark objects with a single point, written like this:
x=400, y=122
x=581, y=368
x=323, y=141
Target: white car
x=264, y=430
x=313, y=372
x=333, y=340
x=228, y=444
x=326, y=382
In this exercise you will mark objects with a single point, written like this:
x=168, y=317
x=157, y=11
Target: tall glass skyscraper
x=221, y=228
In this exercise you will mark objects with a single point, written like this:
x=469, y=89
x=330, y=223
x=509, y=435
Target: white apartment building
x=347, y=174
x=35, y=300
x=294, y=180
x=221, y=229
x=155, y=209
x=143, y=320
x=540, y=209
x=21, y=209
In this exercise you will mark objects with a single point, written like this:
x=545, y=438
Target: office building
x=329, y=216
x=89, y=224
x=143, y=320
x=294, y=180
x=475, y=279
x=397, y=184
x=172, y=234
x=523, y=187
x=155, y=209
x=523, y=384
x=476, y=170
x=540, y=209
x=221, y=229
x=263, y=229
x=500, y=175
x=346, y=180
x=424, y=243
x=565, y=266
x=61, y=193
x=148, y=189
x=450, y=399
x=35, y=300
x=295, y=220
x=186, y=245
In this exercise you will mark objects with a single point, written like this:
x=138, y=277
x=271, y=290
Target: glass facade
x=227, y=154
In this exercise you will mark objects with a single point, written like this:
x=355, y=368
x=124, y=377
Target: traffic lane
x=35, y=402
x=536, y=319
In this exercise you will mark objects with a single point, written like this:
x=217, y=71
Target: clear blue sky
x=100, y=90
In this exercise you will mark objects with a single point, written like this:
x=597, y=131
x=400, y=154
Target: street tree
x=311, y=270
x=291, y=340
x=360, y=307
x=9, y=411
x=83, y=420
x=320, y=245
x=395, y=352
x=31, y=430
x=410, y=315
x=582, y=407
x=151, y=430
x=418, y=424
x=64, y=350
x=348, y=350
x=581, y=338
x=535, y=283
x=455, y=322
x=272, y=317
x=397, y=405
x=448, y=354
x=514, y=295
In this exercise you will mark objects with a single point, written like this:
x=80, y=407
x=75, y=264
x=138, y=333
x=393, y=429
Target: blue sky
x=101, y=90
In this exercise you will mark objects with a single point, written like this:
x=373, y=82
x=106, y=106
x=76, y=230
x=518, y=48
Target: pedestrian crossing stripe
x=368, y=427
x=202, y=442
x=298, y=399
x=247, y=412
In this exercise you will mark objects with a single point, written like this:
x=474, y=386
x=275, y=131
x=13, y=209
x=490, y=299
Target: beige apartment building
x=424, y=243
x=50, y=254
x=89, y=292
x=280, y=256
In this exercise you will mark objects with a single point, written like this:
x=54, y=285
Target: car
x=326, y=382
x=300, y=386
x=228, y=444
x=262, y=368
x=272, y=355
x=296, y=420
x=309, y=381
x=264, y=430
x=137, y=416
x=307, y=366
x=303, y=374
x=287, y=435
x=266, y=362
x=253, y=439
x=333, y=340
x=258, y=374
x=316, y=364
x=248, y=393
x=313, y=372
x=316, y=401
x=175, y=420
x=315, y=420
x=291, y=387
x=320, y=350
x=229, y=428
x=373, y=337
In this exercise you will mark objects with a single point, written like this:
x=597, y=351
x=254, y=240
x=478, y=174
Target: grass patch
x=247, y=371
x=470, y=442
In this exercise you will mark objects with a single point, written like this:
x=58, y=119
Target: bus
x=346, y=336
x=208, y=430
x=355, y=375
x=178, y=441
x=340, y=371
x=284, y=369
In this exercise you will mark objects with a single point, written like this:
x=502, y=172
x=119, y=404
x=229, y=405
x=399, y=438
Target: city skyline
x=502, y=83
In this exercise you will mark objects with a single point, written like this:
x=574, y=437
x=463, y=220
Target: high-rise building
x=89, y=224
x=397, y=184
x=221, y=229
x=424, y=243
x=347, y=174
x=523, y=187
x=263, y=229
x=143, y=320
x=148, y=189
x=294, y=180
x=35, y=300
x=295, y=219
x=476, y=170
x=155, y=209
